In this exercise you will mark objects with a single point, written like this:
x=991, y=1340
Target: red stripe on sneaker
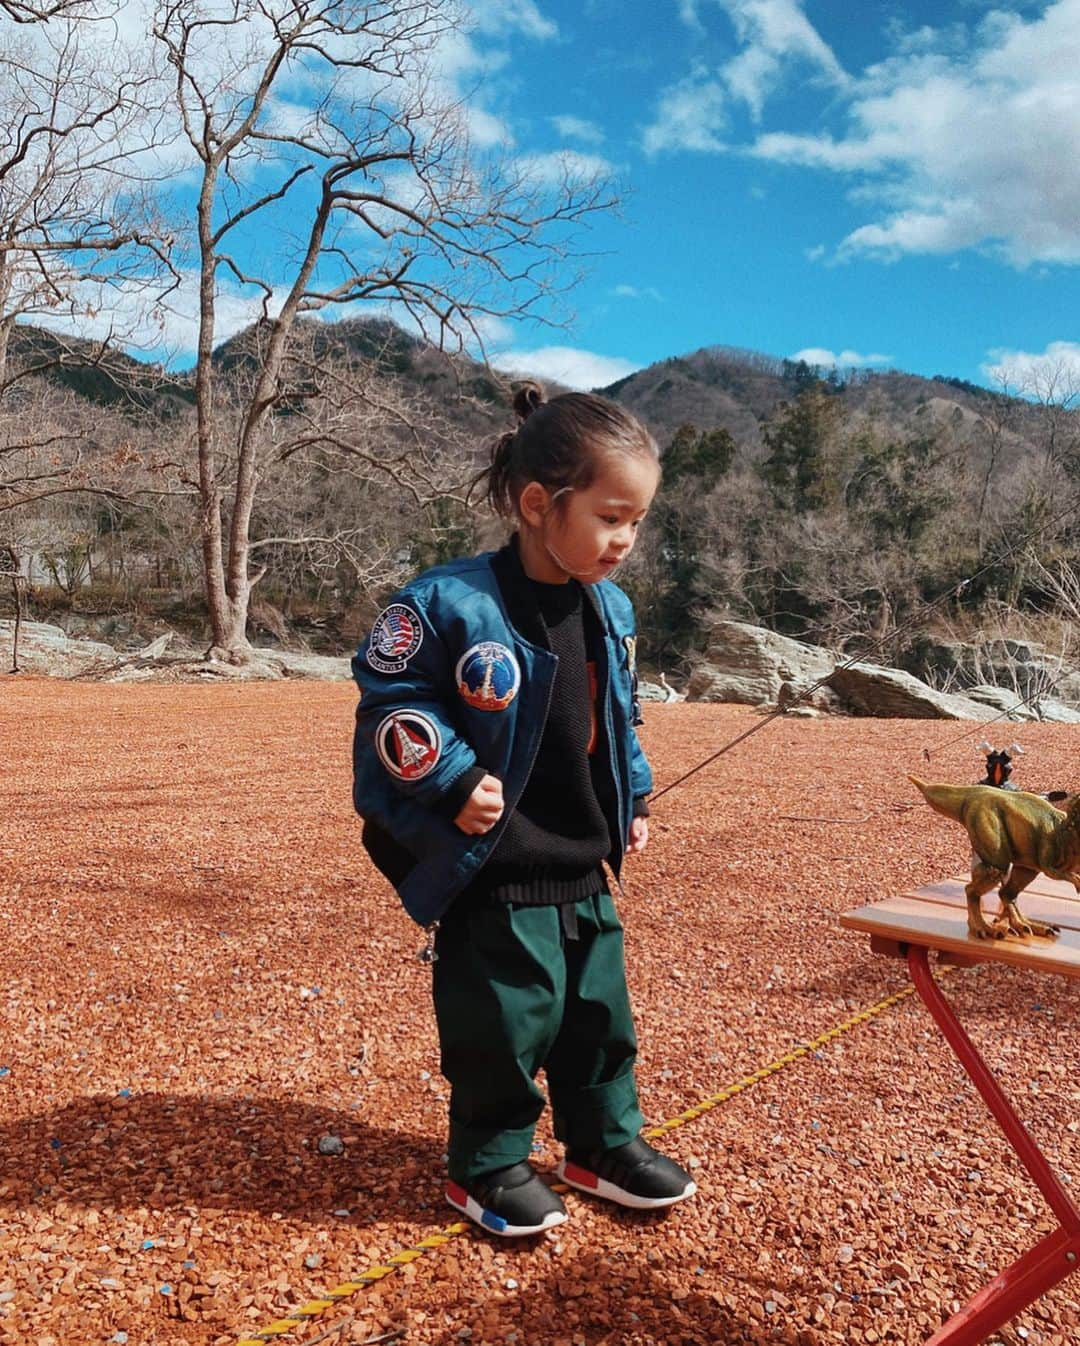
x=581, y=1176
x=457, y=1194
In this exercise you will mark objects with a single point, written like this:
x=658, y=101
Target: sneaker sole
x=585, y=1181
x=495, y=1224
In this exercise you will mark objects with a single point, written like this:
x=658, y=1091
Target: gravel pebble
x=203, y=973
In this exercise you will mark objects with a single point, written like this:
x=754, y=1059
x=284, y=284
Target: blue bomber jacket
x=450, y=684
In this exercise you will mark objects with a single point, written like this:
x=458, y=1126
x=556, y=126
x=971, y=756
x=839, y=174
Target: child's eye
x=610, y=519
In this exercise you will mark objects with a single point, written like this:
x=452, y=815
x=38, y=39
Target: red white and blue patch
x=488, y=676
x=409, y=744
x=395, y=638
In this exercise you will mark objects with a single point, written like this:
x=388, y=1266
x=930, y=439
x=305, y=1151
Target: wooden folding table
x=935, y=917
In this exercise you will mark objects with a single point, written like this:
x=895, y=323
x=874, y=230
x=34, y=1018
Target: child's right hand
x=483, y=808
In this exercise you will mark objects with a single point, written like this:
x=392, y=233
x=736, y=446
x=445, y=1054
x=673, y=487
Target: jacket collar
x=514, y=585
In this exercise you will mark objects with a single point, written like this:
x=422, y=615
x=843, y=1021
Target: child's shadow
x=603, y=1300
x=257, y=1153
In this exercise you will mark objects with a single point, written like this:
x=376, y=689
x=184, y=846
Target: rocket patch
x=395, y=638
x=488, y=676
x=409, y=744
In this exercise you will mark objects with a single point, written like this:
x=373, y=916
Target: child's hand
x=639, y=836
x=483, y=808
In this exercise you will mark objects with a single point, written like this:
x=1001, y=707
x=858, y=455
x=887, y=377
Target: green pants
x=513, y=993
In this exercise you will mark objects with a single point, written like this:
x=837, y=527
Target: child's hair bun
x=527, y=397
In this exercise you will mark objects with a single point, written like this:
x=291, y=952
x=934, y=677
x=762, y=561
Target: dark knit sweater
x=554, y=841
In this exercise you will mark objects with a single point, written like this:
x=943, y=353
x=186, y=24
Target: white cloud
x=1053, y=375
x=637, y=292
x=502, y=16
x=972, y=144
x=556, y=166
x=776, y=34
x=577, y=128
x=818, y=355
x=577, y=369
x=168, y=330
x=689, y=117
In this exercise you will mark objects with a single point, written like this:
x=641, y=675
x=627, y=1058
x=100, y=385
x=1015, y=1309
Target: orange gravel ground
x=203, y=976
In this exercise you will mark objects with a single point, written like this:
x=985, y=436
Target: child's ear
x=533, y=503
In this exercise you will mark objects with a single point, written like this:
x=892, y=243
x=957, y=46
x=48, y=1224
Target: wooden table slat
x=914, y=921
x=1039, y=906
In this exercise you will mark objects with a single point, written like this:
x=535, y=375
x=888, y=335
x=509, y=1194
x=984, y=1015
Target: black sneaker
x=510, y=1201
x=632, y=1175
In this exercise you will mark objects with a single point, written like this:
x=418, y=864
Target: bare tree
x=42, y=13
x=76, y=125
x=388, y=205
x=75, y=116
x=9, y=569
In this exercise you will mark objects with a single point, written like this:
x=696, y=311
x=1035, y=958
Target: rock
x=1056, y=712
x=1038, y=708
x=49, y=650
x=868, y=689
x=1001, y=699
x=750, y=665
x=321, y=667
x=1006, y=663
x=156, y=648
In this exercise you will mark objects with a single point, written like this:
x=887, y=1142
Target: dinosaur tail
x=946, y=799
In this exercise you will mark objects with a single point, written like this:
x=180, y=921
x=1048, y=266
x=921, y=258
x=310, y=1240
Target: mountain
x=725, y=387
x=714, y=387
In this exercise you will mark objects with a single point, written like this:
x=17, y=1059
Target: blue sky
x=892, y=185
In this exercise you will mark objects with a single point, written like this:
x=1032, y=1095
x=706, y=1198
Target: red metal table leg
x=1054, y=1257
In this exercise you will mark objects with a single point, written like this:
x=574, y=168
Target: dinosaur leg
x=984, y=876
x=1009, y=918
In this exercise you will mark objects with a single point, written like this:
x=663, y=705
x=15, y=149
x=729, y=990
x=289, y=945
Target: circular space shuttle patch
x=395, y=638
x=408, y=743
x=488, y=676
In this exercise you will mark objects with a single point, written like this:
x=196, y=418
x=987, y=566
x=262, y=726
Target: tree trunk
x=226, y=604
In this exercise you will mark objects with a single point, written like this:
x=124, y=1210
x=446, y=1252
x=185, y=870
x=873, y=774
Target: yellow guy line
x=313, y=1308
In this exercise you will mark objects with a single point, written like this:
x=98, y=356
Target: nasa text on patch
x=395, y=638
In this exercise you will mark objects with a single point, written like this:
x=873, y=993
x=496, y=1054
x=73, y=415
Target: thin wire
x=921, y=611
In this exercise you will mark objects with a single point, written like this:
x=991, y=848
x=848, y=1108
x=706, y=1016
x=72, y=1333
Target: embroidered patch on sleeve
x=488, y=676
x=395, y=638
x=408, y=743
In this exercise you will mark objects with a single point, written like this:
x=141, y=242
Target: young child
x=496, y=766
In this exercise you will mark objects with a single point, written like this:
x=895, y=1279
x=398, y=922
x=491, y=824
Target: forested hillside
x=831, y=508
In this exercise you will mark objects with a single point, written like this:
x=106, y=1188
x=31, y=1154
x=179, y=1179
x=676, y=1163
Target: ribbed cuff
x=451, y=803
x=641, y=807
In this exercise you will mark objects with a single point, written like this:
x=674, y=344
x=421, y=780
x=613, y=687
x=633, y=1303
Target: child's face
x=588, y=533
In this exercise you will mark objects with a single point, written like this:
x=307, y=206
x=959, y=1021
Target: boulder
x=1056, y=712
x=1037, y=708
x=1001, y=699
x=1006, y=662
x=749, y=664
x=868, y=689
x=48, y=650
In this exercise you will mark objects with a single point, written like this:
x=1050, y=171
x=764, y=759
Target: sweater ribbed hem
x=547, y=888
